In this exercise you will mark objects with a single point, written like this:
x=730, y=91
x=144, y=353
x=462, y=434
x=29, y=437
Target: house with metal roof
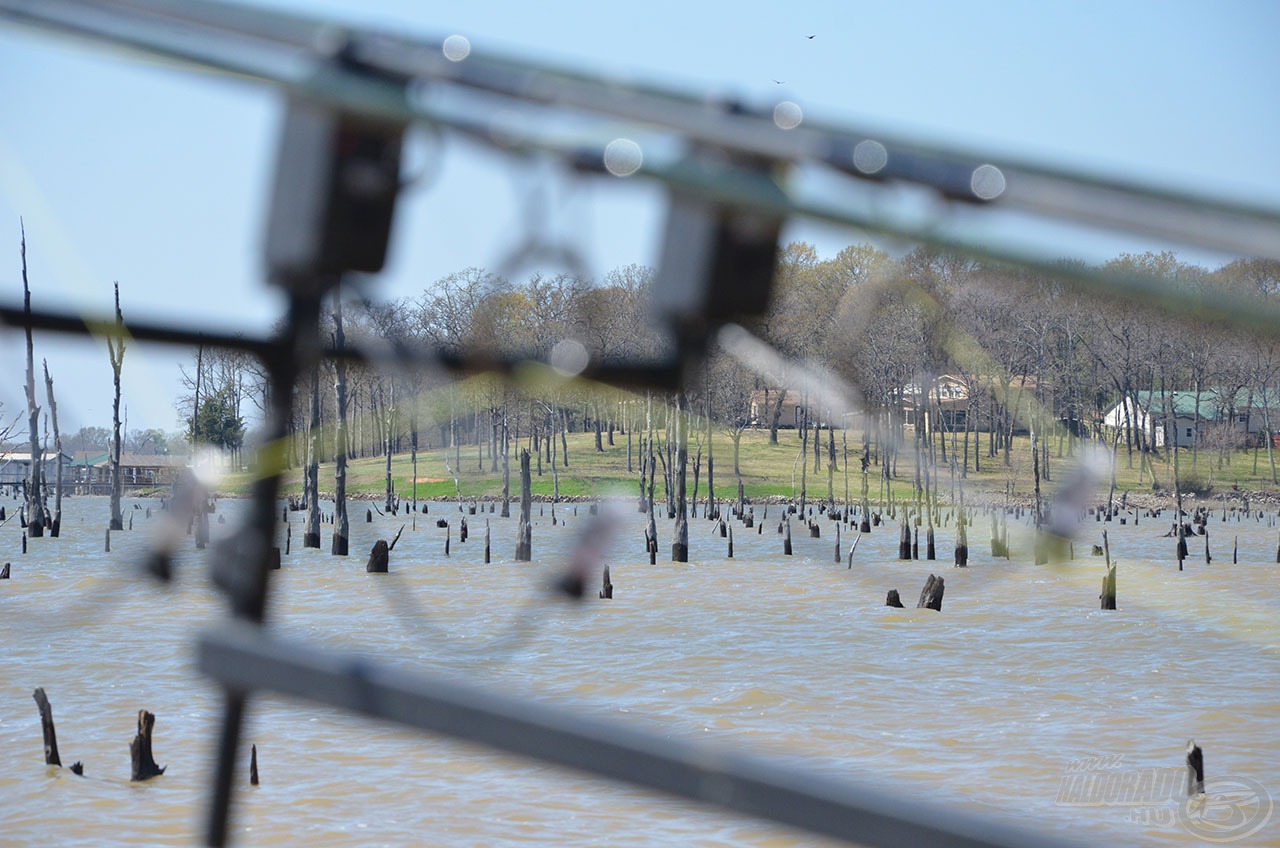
x=1185, y=418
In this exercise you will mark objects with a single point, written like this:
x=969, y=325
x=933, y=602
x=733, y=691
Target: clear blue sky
x=128, y=170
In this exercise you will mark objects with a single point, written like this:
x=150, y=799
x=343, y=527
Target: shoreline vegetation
x=766, y=473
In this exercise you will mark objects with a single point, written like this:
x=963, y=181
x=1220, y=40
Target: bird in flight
x=780, y=82
x=812, y=37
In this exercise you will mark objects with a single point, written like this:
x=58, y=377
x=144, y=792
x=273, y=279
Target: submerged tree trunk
x=311, y=536
x=55, y=526
x=115, y=349
x=524, y=533
x=390, y=410
x=35, y=491
x=341, y=526
x=680, y=547
x=506, y=465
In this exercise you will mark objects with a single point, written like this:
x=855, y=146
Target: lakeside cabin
x=91, y=471
x=1187, y=418
x=15, y=466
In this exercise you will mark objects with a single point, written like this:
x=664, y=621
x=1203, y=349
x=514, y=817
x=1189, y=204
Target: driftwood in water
x=931, y=594
x=606, y=590
x=854, y=547
x=379, y=558
x=892, y=599
x=144, y=764
x=392, y=546
x=46, y=726
x=1195, y=769
x=253, y=766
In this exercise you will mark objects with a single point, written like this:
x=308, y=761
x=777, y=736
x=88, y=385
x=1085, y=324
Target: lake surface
x=989, y=705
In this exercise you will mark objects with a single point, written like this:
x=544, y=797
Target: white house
x=15, y=466
x=1188, y=421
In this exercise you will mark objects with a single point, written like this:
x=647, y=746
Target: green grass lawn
x=766, y=470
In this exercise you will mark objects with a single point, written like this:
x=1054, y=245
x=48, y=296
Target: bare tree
x=115, y=349
x=341, y=528
x=55, y=526
x=35, y=479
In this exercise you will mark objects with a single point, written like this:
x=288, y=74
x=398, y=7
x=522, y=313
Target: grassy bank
x=769, y=470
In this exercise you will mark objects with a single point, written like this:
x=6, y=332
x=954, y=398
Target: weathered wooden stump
x=379, y=558
x=462, y=531
x=730, y=543
x=1108, y=595
x=486, y=541
x=815, y=530
x=892, y=599
x=786, y=537
x=837, y=554
x=524, y=530
x=275, y=558
x=46, y=726
x=4, y=572
x=606, y=590
x=1195, y=769
x=440, y=522
x=144, y=764
x=253, y=765
x=904, y=542
x=931, y=551
x=931, y=594
x=106, y=546
x=288, y=538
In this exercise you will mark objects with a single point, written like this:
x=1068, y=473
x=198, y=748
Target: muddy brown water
x=992, y=705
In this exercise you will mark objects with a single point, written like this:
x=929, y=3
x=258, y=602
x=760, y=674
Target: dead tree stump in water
x=486, y=541
x=1108, y=596
x=4, y=572
x=379, y=558
x=253, y=766
x=730, y=543
x=1195, y=769
x=606, y=590
x=524, y=531
x=786, y=536
x=275, y=558
x=931, y=551
x=892, y=599
x=904, y=542
x=931, y=594
x=51, y=757
x=144, y=764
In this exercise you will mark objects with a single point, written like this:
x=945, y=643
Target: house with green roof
x=1185, y=418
